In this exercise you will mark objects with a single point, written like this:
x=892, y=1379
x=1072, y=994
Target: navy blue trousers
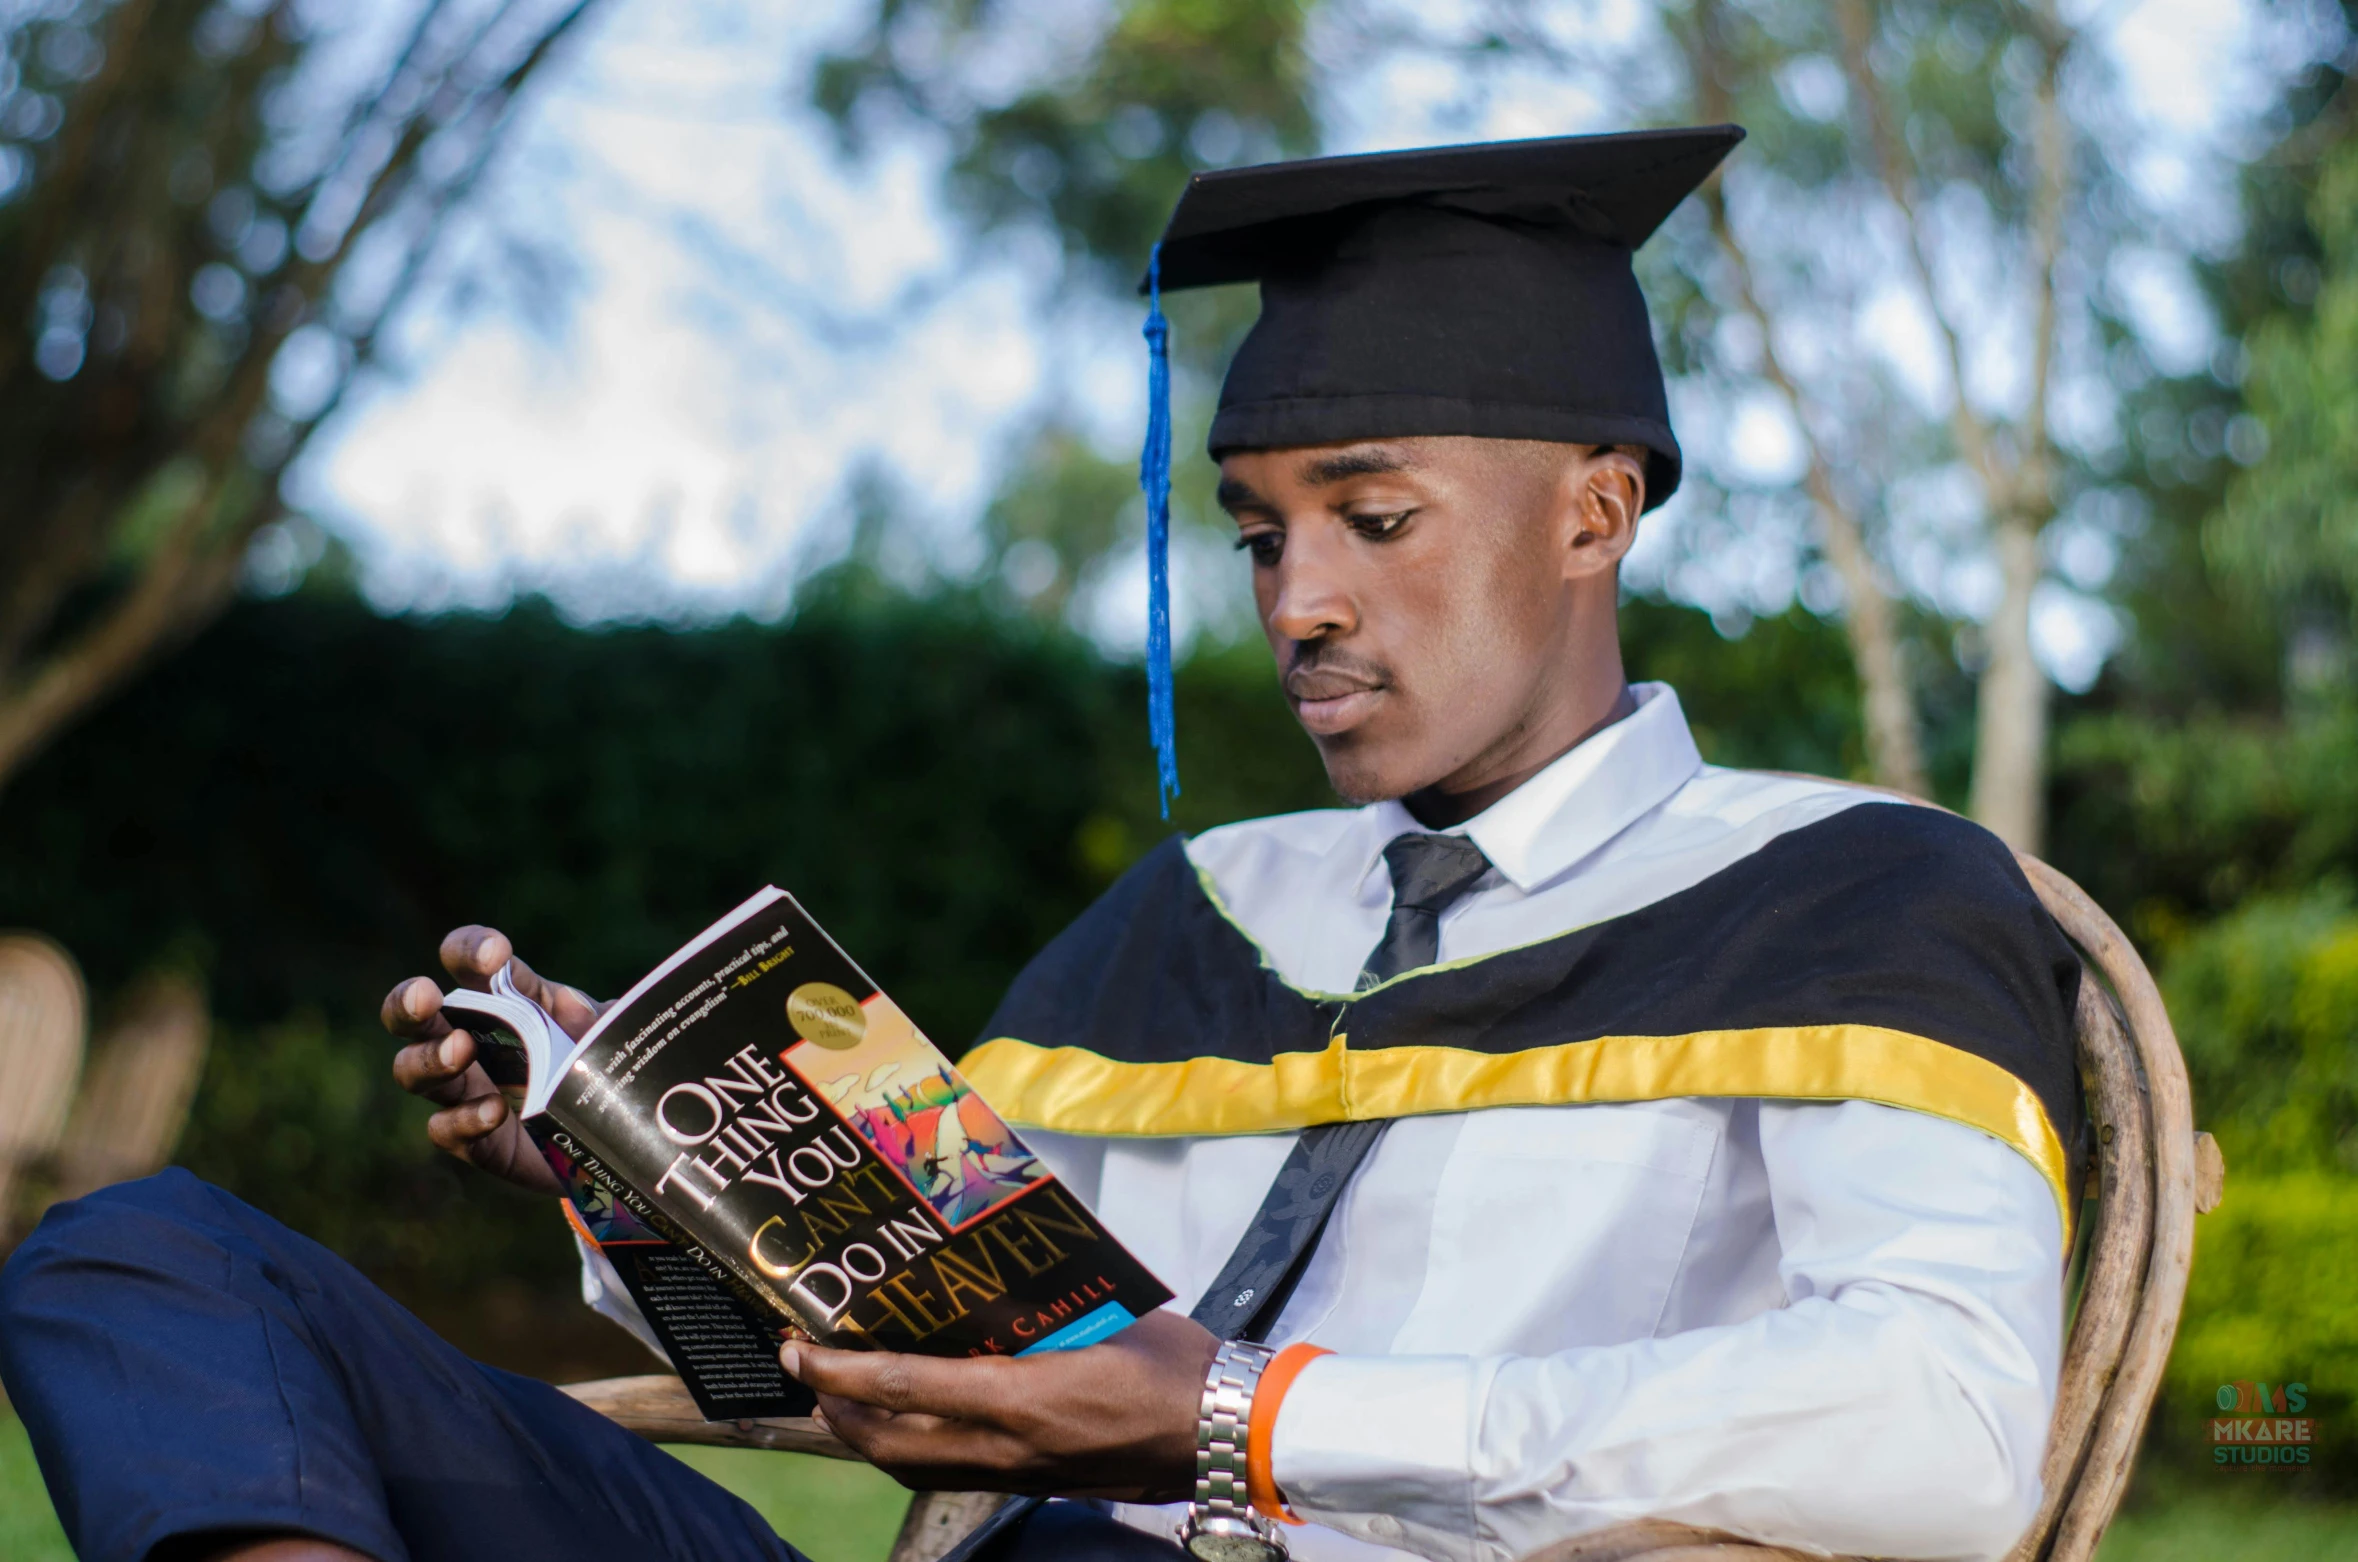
x=186, y=1366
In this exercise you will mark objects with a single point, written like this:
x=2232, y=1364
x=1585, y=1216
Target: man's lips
x=1330, y=702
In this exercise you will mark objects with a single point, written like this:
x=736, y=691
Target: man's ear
x=1607, y=493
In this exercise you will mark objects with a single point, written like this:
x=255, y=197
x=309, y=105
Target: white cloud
x=753, y=322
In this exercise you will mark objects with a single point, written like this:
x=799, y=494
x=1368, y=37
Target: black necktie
x=1430, y=873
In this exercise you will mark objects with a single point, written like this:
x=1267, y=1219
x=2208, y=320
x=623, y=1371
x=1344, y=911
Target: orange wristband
x=1268, y=1394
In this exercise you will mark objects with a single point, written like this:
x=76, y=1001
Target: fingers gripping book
x=763, y=1144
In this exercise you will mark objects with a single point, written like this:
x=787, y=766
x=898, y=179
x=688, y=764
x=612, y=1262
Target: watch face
x=1231, y=1548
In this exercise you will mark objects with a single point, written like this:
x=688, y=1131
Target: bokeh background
x=565, y=465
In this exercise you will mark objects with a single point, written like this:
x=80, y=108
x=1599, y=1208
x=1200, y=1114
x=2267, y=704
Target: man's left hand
x=1115, y=1420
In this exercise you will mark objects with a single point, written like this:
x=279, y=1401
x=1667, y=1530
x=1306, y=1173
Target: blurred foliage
x=2172, y=819
x=1086, y=150
x=2263, y=999
x=2205, y=640
x=1057, y=516
x=1925, y=132
x=2220, y=742
x=2290, y=524
x=209, y=212
x=1106, y=124
x=2275, y=1298
x=1780, y=697
x=2207, y=789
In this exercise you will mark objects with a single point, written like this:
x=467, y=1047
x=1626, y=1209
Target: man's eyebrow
x=1234, y=494
x=1365, y=461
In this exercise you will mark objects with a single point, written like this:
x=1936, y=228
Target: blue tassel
x=1154, y=476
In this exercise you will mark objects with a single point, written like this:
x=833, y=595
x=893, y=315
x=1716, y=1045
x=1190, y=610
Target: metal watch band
x=1224, y=1426
x=1221, y=1522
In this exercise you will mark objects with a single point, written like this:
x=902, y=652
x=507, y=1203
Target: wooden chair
x=42, y=1014
x=2152, y=1173
x=136, y=1091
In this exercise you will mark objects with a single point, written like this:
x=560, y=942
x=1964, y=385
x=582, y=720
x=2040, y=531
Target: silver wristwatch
x=1221, y=1524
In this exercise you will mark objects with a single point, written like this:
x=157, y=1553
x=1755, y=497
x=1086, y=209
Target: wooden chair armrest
x=657, y=1408
x=1653, y=1540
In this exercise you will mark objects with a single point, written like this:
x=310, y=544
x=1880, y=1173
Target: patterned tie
x=1430, y=873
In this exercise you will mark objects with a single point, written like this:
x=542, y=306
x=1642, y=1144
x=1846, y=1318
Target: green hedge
x=2265, y=1000
x=2275, y=1297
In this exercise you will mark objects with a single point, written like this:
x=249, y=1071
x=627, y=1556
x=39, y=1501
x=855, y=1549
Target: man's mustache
x=1325, y=673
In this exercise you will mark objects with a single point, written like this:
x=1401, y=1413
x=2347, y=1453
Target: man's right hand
x=439, y=1062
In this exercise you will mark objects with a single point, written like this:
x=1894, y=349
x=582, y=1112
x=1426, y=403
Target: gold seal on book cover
x=827, y=1016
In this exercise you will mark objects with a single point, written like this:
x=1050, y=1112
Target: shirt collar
x=1581, y=800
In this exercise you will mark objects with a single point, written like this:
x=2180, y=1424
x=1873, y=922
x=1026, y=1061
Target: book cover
x=760, y=1140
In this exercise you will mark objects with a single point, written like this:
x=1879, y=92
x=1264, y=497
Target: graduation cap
x=1480, y=290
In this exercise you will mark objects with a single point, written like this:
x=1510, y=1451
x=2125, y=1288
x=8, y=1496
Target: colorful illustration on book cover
x=917, y=1113
x=592, y=1210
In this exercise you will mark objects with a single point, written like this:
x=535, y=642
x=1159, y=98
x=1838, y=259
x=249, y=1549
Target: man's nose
x=1311, y=599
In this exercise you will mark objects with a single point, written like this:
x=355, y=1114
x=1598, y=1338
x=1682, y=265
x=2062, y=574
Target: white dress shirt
x=1834, y=1325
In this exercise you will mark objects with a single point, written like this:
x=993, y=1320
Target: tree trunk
x=1887, y=704
x=2010, y=719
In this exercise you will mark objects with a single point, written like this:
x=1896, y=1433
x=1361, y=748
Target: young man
x=1585, y=1133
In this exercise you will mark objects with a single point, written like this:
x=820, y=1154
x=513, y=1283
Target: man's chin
x=1362, y=771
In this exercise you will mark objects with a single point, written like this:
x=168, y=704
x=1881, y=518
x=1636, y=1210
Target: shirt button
x=1386, y=1527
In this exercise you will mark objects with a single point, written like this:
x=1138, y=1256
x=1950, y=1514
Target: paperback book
x=764, y=1145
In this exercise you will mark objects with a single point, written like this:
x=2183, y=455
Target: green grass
x=28, y=1529
x=840, y=1512
x=833, y=1511
x=836, y=1512
x=2210, y=1526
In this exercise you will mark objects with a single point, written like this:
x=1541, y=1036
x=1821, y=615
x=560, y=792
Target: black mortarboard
x=1483, y=290
x=1480, y=290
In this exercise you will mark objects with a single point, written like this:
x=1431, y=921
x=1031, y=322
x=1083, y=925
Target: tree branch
x=361, y=342
x=1894, y=167
x=364, y=109
x=177, y=584
x=192, y=570
x=61, y=194
x=1888, y=706
x=2052, y=141
x=1894, y=748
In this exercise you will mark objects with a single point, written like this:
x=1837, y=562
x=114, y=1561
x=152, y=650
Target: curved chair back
x=136, y=1089
x=42, y=1016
